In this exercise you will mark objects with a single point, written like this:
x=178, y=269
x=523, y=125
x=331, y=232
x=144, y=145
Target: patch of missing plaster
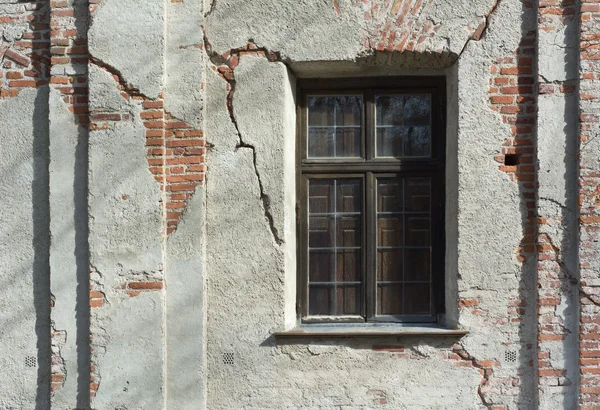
x=225, y=65
x=98, y=335
x=400, y=26
x=142, y=275
x=3, y=48
x=175, y=148
x=58, y=366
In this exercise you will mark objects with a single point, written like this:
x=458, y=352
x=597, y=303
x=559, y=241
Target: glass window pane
x=321, y=231
x=349, y=195
x=349, y=232
x=417, y=230
x=320, y=111
x=417, y=264
x=321, y=300
x=389, y=109
x=417, y=194
x=417, y=299
x=321, y=265
x=403, y=125
x=335, y=246
x=320, y=142
x=389, y=231
x=417, y=143
x=417, y=109
x=320, y=196
x=390, y=141
x=389, y=195
x=389, y=265
x=348, y=266
x=348, y=110
x=334, y=126
x=348, y=300
x=389, y=299
x=347, y=142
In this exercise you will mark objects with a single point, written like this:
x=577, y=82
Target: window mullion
x=371, y=247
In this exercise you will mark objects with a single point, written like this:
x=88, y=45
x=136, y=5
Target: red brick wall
x=25, y=61
x=589, y=201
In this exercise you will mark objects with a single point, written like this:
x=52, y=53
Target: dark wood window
x=371, y=199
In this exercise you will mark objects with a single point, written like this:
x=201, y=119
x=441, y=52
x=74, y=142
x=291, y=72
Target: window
x=370, y=183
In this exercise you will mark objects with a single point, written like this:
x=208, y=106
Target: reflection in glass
x=403, y=125
x=334, y=126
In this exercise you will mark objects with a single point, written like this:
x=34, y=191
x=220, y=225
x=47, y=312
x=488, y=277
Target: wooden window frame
x=366, y=168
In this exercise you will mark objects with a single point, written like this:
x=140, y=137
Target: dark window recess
x=371, y=199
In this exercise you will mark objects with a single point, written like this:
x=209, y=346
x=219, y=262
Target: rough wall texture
x=148, y=163
x=589, y=219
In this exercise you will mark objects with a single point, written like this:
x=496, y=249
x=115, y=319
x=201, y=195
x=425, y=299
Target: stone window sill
x=347, y=330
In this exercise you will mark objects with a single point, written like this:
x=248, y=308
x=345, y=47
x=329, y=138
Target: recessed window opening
x=371, y=194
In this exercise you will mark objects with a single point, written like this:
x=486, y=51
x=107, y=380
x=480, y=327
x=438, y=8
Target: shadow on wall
x=80, y=219
x=40, y=194
x=524, y=157
x=568, y=253
x=41, y=218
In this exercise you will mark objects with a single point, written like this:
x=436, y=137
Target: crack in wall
x=175, y=148
x=225, y=66
x=554, y=201
x=569, y=275
x=129, y=89
x=484, y=368
x=481, y=31
x=211, y=8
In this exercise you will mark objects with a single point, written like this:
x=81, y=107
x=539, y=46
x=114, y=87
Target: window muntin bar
x=335, y=247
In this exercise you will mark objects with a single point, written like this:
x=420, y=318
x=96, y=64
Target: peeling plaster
x=168, y=119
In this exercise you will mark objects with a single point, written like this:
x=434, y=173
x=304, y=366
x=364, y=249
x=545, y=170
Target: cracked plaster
x=120, y=29
x=241, y=257
x=220, y=277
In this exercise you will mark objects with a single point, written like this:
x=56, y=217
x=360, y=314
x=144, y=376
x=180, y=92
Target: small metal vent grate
x=510, y=356
x=30, y=361
x=228, y=358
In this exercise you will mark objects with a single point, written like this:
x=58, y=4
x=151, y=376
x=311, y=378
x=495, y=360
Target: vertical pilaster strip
x=25, y=233
x=126, y=215
x=184, y=198
x=589, y=203
x=558, y=288
x=68, y=203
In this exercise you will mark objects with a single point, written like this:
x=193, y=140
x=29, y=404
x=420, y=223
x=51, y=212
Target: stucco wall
x=246, y=268
x=149, y=172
